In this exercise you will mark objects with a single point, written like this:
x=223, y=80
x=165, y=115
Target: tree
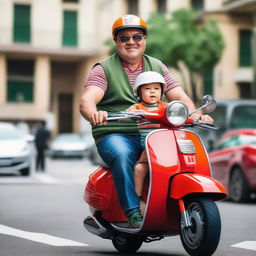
x=178, y=39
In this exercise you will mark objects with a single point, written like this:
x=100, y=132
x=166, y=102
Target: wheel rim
x=236, y=186
x=193, y=236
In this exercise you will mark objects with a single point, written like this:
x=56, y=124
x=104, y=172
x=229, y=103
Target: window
x=133, y=7
x=20, y=81
x=70, y=1
x=245, y=90
x=220, y=116
x=208, y=82
x=245, y=48
x=197, y=5
x=69, y=28
x=21, y=26
x=229, y=142
x=244, y=117
x=161, y=6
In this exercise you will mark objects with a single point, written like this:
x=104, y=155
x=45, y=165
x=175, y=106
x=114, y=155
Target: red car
x=233, y=162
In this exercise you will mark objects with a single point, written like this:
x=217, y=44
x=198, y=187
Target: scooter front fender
x=191, y=183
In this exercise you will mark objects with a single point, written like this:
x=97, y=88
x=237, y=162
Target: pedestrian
x=42, y=138
x=109, y=88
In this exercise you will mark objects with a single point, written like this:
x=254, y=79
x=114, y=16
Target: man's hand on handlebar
x=99, y=118
x=205, y=118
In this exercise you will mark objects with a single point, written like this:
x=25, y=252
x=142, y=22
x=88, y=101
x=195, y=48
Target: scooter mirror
x=209, y=104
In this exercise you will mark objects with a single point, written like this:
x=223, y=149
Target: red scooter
x=179, y=192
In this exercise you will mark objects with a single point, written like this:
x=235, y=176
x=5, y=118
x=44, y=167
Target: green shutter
x=69, y=28
x=198, y=5
x=21, y=29
x=20, y=91
x=208, y=82
x=245, y=48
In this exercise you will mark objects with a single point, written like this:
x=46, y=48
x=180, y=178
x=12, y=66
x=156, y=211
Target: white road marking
x=40, y=179
x=39, y=237
x=249, y=245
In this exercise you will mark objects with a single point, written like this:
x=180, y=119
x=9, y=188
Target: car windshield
x=9, y=133
x=68, y=138
x=219, y=115
x=244, y=117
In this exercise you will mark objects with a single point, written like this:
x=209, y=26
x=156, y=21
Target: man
x=109, y=89
x=41, y=142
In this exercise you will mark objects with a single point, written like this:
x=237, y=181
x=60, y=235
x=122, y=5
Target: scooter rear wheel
x=204, y=235
x=127, y=243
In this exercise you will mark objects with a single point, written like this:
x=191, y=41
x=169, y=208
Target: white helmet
x=148, y=77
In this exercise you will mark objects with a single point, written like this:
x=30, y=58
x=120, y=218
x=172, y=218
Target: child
x=149, y=88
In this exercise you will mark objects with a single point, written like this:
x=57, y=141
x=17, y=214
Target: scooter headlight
x=176, y=113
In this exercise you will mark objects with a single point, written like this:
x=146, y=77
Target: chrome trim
x=186, y=146
x=95, y=227
x=126, y=230
x=185, y=220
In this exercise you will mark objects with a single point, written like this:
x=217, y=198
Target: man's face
x=130, y=44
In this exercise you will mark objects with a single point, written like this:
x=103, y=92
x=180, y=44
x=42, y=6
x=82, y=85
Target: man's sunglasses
x=126, y=38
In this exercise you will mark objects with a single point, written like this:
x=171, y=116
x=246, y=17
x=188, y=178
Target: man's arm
x=177, y=93
x=91, y=96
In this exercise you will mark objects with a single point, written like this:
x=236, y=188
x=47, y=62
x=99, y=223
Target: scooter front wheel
x=127, y=243
x=203, y=236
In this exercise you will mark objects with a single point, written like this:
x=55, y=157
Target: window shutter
x=245, y=48
x=21, y=30
x=69, y=28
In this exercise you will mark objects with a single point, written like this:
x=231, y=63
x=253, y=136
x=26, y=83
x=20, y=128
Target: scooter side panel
x=163, y=163
x=101, y=195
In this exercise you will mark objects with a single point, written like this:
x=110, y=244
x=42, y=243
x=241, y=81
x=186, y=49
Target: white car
x=69, y=145
x=15, y=153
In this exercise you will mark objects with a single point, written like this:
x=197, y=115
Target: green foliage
x=111, y=45
x=179, y=38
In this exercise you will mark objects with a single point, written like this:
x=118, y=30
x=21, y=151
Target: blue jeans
x=120, y=152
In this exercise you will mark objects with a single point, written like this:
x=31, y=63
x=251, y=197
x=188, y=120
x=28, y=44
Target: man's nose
x=130, y=40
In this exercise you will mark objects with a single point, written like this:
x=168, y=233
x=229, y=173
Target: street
x=43, y=215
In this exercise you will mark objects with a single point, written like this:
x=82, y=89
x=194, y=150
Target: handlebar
x=135, y=115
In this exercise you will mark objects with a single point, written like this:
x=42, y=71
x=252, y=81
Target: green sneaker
x=135, y=220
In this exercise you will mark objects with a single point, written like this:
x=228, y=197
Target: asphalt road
x=43, y=214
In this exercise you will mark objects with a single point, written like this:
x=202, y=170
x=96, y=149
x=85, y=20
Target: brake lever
x=203, y=124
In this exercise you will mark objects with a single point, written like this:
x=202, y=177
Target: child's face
x=151, y=93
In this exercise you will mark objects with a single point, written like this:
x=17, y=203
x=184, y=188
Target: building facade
x=48, y=47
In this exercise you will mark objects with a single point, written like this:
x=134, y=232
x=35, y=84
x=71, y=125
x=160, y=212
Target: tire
x=204, y=235
x=238, y=188
x=25, y=172
x=127, y=243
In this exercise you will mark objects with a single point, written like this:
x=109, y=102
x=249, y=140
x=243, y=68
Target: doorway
x=65, y=112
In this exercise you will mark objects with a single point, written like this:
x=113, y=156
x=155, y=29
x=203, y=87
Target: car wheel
x=25, y=172
x=238, y=188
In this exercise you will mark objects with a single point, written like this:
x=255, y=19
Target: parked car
x=95, y=157
x=229, y=114
x=15, y=153
x=233, y=163
x=69, y=145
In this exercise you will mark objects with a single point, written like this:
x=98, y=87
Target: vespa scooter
x=180, y=193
